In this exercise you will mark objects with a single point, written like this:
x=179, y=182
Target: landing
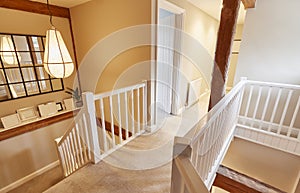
x=142, y=165
x=105, y=178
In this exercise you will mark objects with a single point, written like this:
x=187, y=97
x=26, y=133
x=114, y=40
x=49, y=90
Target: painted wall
x=271, y=44
x=24, y=154
x=197, y=61
x=274, y=167
x=107, y=24
x=234, y=57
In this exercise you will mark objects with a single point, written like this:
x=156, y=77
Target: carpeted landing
x=104, y=178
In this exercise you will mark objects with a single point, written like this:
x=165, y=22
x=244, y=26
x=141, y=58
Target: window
x=21, y=67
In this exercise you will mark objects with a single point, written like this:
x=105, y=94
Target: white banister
x=112, y=125
x=120, y=119
x=88, y=103
x=239, y=114
x=132, y=113
x=294, y=117
x=103, y=125
x=126, y=114
x=82, y=143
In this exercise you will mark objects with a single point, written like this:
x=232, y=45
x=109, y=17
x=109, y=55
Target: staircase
x=264, y=113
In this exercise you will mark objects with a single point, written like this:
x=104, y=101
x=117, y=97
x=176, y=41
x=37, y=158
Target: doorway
x=170, y=20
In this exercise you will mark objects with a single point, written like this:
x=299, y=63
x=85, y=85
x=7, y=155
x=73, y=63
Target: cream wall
x=197, y=60
x=234, y=57
x=274, y=167
x=26, y=153
x=99, y=20
x=271, y=43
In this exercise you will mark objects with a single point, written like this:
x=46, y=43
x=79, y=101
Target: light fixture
x=57, y=60
x=7, y=50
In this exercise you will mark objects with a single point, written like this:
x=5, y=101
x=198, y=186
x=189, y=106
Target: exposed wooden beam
x=249, y=3
x=35, y=7
x=225, y=39
x=235, y=182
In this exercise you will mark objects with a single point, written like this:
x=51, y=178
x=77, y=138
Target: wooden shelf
x=36, y=124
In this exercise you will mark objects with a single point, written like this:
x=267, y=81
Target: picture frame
x=47, y=109
x=59, y=106
x=69, y=104
x=10, y=120
x=26, y=114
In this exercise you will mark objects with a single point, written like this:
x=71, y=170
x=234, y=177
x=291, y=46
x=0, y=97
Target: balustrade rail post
x=89, y=108
x=177, y=182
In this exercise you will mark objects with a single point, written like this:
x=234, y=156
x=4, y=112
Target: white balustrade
x=210, y=138
x=265, y=113
x=97, y=129
x=270, y=115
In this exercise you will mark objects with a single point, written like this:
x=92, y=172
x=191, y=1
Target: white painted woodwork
x=86, y=142
x=165, y=59
x=254, y=111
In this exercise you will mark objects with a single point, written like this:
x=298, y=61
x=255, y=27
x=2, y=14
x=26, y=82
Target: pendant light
x=7, y=50
x=57, y=60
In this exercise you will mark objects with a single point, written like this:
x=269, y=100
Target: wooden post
x=89, y=105
x=225, y=39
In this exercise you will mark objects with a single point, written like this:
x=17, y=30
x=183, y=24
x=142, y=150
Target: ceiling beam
x=35, y=7
x=249, y=3
x=229, y=16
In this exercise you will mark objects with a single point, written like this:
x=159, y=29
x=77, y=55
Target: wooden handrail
x=191, y=179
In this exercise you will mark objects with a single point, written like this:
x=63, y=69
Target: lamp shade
x=57, y=60
x=7, y=50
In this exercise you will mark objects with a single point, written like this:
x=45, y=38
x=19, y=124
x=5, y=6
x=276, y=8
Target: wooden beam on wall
x=35, y=7
x=249, y=3
x=235, y=182
x=225, y=39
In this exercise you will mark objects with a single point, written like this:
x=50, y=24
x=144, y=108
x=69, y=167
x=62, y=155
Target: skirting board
x=29, y=177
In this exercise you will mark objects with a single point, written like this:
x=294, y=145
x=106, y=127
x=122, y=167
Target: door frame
x=179, y=22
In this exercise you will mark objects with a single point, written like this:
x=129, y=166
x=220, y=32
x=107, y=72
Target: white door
x=165, y=60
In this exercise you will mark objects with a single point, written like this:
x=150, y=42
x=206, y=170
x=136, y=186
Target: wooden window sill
x=36, y=124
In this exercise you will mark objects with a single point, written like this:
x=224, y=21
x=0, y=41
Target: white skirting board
x=29, y=177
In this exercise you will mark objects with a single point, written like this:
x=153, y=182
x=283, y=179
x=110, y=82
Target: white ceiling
x=63, y=3
x=213, y=8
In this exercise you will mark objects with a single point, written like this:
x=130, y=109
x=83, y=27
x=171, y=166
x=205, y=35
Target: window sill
x=36, y=124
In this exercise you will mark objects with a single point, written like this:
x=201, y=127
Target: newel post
x=90, y=111
x=177, y=182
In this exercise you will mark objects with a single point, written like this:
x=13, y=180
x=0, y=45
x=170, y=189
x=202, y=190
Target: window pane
x=9, y=59
x=25, y=58
x=17, y=90
x=32, y=88
x=56, y=84
x=37, y=43
x=13, y=75
x=4, y=93
x=38, y=58
x=28, y=74
x=41, y=73
x=45, y=86
x=22, y=71
x=21, y=43
x=2, y=77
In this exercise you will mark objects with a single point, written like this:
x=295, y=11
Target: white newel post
x=89, y=107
